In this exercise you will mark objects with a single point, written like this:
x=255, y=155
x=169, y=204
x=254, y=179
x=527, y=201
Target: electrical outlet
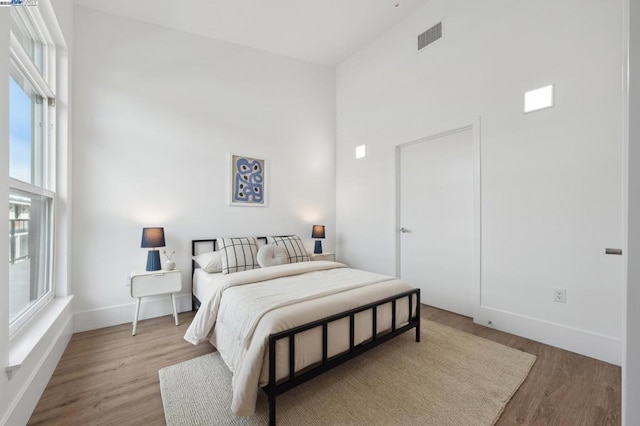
x=560, y=295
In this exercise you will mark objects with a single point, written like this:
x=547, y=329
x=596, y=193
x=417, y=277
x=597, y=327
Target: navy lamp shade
x=317, y=232
x=153, y=238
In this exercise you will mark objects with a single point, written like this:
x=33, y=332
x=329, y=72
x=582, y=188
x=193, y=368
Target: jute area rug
x=449, y=378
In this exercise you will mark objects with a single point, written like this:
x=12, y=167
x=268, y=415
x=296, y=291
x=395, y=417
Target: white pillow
x=293, y=245
x=272, y=255
x=238, y=254
x=210, y=262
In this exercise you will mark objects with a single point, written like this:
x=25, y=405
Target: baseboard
x=28, y=396
x=594, y=345
x=151, y=307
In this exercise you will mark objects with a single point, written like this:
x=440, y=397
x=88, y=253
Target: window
x=29, y=254
x=26, y=127
x=31, y=156
x=538, y=99
x=29, y=35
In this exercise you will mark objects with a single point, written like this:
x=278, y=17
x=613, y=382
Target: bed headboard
x=201, y=246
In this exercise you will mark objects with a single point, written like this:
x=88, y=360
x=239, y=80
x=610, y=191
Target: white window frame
x=44, y=84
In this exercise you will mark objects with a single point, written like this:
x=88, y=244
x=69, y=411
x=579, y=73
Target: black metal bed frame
x=195, y=303
x=275, y=388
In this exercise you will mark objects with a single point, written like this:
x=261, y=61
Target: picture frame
x=247, y=181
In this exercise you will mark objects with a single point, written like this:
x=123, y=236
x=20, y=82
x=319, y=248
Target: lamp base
x=153, y=260
x=318, y=247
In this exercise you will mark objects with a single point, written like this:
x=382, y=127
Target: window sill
x=26, y=340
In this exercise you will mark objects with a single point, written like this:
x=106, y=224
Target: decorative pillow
x=293, y=245
x=210, y=261
x=238, y=254
x=272, y=255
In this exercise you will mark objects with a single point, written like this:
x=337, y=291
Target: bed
x=277, y=327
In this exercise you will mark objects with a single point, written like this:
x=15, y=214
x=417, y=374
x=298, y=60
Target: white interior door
x=437, y=221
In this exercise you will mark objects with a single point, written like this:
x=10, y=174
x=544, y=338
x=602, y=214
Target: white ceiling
x=320, y=31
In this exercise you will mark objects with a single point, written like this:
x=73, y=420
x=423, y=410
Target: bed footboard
x=273, y=388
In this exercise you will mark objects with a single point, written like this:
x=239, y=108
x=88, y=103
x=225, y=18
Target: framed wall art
x=248, y=185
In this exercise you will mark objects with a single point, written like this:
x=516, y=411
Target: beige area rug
x=449, y=378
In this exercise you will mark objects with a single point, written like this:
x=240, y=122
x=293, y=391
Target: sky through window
x=20, y=132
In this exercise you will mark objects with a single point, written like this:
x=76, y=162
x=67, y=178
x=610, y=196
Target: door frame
x=474, y=126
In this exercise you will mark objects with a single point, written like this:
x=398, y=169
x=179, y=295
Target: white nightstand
x=323, y=256
x=155, y=283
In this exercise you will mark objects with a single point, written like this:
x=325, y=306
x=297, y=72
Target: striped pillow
x=238, y=254
x=293, y=245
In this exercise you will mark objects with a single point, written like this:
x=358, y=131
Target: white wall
x=551, y=180
x=156, y=113
x=631, y=365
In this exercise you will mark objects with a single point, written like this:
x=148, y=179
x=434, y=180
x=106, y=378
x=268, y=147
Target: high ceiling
x=324, y=32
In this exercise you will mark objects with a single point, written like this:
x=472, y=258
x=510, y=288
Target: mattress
x=204, y=284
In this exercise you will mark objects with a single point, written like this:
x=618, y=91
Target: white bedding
x=246, y=307
x=204, y=283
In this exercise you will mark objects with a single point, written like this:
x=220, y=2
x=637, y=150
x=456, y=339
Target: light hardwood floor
x=108, y=377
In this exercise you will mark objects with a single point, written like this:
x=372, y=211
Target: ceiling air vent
x=432, y=34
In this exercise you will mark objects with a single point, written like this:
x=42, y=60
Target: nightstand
x=155, y=283
x=323, y=256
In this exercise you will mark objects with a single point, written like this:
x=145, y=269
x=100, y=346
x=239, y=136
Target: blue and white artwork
x=248, y=181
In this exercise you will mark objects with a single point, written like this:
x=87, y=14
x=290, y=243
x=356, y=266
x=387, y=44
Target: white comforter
x=247, y=307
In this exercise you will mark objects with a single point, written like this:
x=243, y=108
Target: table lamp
x=317, y=232
x=153, y=238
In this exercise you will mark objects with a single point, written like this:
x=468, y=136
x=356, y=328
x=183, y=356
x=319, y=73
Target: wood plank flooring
x=563, y=388
x=108, y=377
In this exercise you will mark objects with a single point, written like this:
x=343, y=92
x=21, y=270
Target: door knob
x=404, y=230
